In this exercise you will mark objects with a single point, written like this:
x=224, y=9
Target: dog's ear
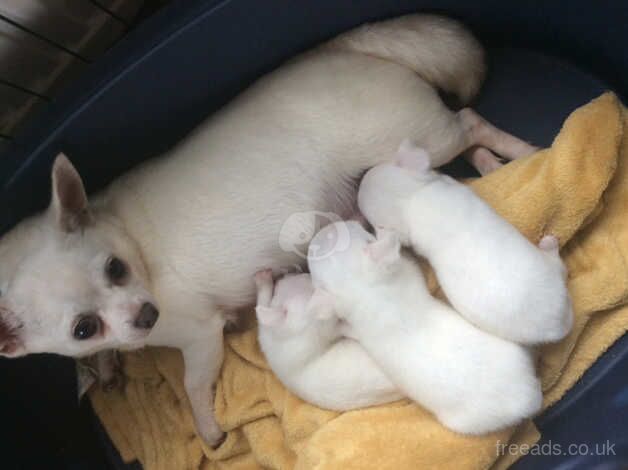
x=321, y=304
x=11, y=344
x=69, y=200
x=412, y=158
x=270, y=316
x=386, y=249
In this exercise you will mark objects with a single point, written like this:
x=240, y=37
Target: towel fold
x=576, y=190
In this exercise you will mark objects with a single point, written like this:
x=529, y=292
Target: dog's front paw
x=211, y=434
x=110, y=374
x=113, y=381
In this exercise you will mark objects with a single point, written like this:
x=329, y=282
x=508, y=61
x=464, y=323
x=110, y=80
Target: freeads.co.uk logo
x=298, y=230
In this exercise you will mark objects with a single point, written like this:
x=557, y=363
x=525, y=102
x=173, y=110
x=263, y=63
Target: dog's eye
x=87, y=327
x=116, y=270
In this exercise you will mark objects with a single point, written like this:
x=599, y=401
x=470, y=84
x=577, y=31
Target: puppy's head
x=298, y=309
x=287, y=313
x=386, y=188
x=72, y=282
x=364, y=259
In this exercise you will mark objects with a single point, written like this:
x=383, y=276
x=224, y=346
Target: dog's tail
x=438, y=49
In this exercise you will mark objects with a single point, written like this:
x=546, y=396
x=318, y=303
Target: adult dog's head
x=72, y=281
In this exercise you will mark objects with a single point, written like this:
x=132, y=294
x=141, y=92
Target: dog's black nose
x=147, y=317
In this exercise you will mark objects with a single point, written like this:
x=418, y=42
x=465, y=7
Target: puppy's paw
x=263, y=277
x=549, y=243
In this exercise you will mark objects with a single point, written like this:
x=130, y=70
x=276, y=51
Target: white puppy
x=182, y=236
x=488, y=270
x=308, y=352
x=473, y=382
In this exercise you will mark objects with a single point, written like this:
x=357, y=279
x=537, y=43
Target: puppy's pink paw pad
x=264, y=276
x=549, y=243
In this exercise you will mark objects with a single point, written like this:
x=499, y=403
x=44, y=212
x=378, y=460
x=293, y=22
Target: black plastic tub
x=191, y=57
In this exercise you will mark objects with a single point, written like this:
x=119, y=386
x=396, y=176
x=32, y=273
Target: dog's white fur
x=473, y=382
x=305, y=348
x=488, y=270
x=195, y=225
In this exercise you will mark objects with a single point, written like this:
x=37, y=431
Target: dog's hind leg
x=482, y=133
x=482, y=159
x=467, y=133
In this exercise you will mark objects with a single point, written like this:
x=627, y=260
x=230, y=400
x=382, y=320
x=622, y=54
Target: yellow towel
x=577, y=190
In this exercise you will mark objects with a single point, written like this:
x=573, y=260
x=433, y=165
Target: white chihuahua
x=488, y=270
x=308, y=352
x=473, y=382
x=183, y=235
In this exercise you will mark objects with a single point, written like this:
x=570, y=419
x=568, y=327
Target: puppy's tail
x=438, y=49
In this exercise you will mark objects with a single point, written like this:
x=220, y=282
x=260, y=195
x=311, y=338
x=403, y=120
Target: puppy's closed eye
x=116, y=270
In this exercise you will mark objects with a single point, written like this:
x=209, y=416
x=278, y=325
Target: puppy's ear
x=413, y=158
x=321, y=304
x=69, y=200
x=270, y=316
x=386, y=249
x=11, y=344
